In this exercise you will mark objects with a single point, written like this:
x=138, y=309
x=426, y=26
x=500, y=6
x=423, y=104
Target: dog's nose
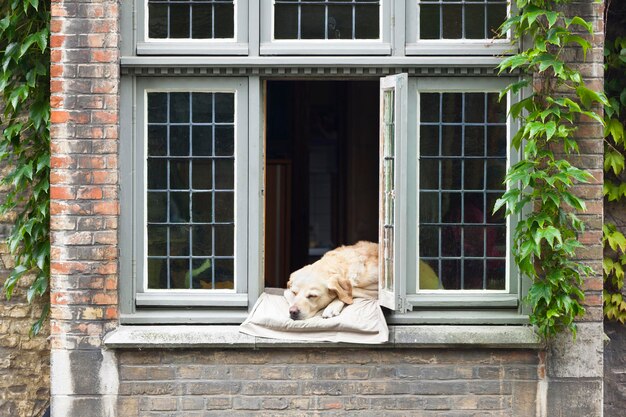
x=294, y=312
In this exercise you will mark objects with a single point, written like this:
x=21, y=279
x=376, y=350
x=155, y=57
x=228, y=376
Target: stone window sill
x=156, y=337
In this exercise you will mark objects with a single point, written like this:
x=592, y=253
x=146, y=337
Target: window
x=238, y=170
x=467, y=27
x=192, y=27
x=326, y=27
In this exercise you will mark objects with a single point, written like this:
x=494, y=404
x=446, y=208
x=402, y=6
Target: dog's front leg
x=333, y=309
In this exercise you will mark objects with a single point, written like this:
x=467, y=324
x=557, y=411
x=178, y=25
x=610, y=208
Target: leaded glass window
x=191, y=19
x=190, y=190
x=463, y=160
x=461, y=19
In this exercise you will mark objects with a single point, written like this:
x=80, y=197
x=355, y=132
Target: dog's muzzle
x=294, y=312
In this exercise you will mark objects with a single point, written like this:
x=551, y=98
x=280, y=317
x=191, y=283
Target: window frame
x=238, y=45
x=487, y=299
x=416, y=46
x=133, y=246
x=270, y=46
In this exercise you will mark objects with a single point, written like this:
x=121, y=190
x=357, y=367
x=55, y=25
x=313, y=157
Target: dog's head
x=311, y=289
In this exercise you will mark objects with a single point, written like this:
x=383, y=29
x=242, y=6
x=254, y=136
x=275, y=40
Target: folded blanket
x=360, y=322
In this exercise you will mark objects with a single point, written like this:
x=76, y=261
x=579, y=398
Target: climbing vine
x=614, y=241
x=25, y=142
x=540, y=185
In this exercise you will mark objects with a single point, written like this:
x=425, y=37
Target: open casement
x=392, y=191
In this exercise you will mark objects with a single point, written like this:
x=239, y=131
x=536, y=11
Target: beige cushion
x=360, y=322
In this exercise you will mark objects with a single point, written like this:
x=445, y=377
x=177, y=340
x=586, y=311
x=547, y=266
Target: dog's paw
x=333, y=309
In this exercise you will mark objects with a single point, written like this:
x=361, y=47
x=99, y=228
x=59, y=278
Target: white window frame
x=417, y=46
x=133, y=244
x=271, y=46
x=433, y=299
x=238, y=45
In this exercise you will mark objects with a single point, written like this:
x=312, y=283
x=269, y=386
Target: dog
x=341, y=275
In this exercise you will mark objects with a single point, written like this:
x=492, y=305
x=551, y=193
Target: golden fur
x=332, y=282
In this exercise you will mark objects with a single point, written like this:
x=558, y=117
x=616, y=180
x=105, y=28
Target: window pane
x=461, y=19
x=198, y=19
x=314, y=19
x=182, y=248
x=458, y=188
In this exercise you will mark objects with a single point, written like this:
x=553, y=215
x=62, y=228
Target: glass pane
x=429, y=21
x=202, y=177
x=451, y=241
x=157, y=207
x=429, y=174
x=224, y=240
x=452, y=21
x=157, y=26
x=429, y=107
x=202, y=207
x=474, y=241
x=202, y=237
x=202, y=140
x=496, y=15
x=312, y=22
x=202, y=274
x=157, y=107
x=285, y=21
x=202, y=105
x=179, y=107
x=496, y=274
x=451, y=140
x=496, y=170
x=201, y=22
x=475, y=21
x=179, y=207
x=496, y=109
x=157, y=273
x=429, y=241
x=224, y=274
x=224, y=21
x=497, y=217
x=496, y=141
x=474, y=141
x=179, y=20
x=179, y=274
x=157, y=174
x=474, y=107
x=224, y=207
x=224, y=140
x=224, y=107
x=451, y=174
x=429, y=208
x=179, y=241
x=179, y=140
x=473, y=208
x=157, y=240
x=451, y=274
x=179, y=175
x=473, y=274
x=451, y=207
x=451, y=107
x=340, y=22
x=496, y=241
x=429, y=140
x=474, y=174
x=367, y=22
x=224, y=174
x=157, y=140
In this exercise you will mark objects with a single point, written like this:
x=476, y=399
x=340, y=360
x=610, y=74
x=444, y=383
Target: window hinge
x=404, y=306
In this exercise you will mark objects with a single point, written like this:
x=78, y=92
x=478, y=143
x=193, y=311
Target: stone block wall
x=24, y=361
x=303, y=382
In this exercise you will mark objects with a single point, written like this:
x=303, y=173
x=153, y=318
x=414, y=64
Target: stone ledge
x=157, y=337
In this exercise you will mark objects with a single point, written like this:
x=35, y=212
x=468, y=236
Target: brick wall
x=84, y=207
x=295, y=382
x=24, y=362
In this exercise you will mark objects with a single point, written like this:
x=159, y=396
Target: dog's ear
x=342, y=286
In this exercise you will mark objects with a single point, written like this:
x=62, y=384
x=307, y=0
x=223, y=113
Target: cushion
x=361, y=322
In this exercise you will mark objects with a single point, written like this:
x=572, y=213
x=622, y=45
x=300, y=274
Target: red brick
x=89, y=193
x=61, y=193
x=104, y=298
x=58, y=116
x=106, y=207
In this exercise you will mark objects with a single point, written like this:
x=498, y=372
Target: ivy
x=540, y=186
x=25, y=142
x=614, y=262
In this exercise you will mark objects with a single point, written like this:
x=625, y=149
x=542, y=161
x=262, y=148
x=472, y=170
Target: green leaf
x=588, y=97
x=613, y=161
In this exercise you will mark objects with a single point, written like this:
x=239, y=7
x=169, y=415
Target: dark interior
x=321, y=172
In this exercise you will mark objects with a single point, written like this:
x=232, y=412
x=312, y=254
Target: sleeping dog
x=332, y=282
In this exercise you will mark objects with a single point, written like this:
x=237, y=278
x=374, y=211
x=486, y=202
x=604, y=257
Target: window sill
x=166, y=337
